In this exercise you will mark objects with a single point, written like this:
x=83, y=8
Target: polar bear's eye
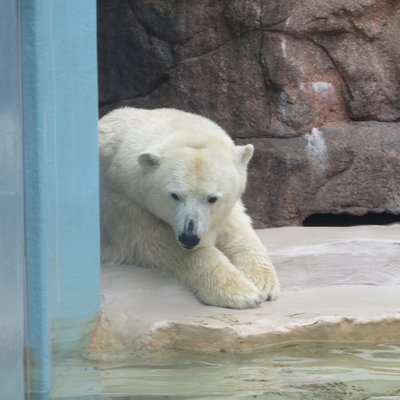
x=175, y=196
x=212, y=199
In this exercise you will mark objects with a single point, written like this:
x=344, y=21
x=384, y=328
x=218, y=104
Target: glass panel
x=11, y=207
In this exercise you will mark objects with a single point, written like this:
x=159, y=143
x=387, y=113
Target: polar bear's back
x=142, y=129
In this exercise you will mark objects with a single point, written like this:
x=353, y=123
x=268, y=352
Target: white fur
x=159, y=170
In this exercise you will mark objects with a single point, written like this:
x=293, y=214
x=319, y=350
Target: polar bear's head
x=193, y=189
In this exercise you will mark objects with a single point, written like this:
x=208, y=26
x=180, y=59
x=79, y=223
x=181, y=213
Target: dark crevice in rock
x=305, y=34
x=346, y=219
x=271, y=135
x=270, y=27
x=154, y=87
x=336, y=66
x=233, y=36
x=266, y=76
x=186, y=41
x=361, y=32
x=369, y=119
x=152, y=32
x=149, y=32
x=227, y=3
x=185, y=60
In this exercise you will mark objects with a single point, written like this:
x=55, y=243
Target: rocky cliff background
x=314, y=85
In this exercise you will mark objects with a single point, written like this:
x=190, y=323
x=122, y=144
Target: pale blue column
x=61, y=179
x=11, y=208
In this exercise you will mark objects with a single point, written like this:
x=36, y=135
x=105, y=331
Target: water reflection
x=292, y=371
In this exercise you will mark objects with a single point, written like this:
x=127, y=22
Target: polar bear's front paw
x=236, y=293
x=265, y=280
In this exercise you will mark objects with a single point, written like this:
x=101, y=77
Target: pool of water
x=289, y=371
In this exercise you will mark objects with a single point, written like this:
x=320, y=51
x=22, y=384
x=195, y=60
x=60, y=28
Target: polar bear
x=171, y=186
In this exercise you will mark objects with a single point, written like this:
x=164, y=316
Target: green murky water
x=331, y=371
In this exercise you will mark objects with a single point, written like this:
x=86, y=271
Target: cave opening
x=346, y=219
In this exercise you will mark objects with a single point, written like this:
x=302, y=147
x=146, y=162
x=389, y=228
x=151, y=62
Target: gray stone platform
x=338, y=284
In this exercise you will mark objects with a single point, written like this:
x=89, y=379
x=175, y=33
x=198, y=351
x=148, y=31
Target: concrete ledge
x=338, y=284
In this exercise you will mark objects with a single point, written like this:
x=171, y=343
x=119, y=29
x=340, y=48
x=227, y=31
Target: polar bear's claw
x=273, y=292
x=264, y=278
x=244, y=294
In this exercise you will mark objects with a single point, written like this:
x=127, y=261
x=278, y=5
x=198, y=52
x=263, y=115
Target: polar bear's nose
x=189, y=240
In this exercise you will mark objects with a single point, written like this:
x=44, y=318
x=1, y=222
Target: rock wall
x=314, y=85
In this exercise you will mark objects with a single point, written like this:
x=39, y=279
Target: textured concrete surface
x=338, y=284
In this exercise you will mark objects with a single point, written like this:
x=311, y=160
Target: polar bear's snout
x=189, y=241
x=189, y=238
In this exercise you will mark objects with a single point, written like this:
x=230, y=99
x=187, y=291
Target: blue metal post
x=61, y=179
x=11, y=208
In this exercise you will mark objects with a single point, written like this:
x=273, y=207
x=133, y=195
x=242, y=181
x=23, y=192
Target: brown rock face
x=352, y=168
x=315, y=86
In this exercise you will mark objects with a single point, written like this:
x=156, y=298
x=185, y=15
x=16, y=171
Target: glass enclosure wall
x=60, y=116
x=49, y=203
x=11, y=207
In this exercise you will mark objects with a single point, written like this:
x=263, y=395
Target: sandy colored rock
x=338, y=284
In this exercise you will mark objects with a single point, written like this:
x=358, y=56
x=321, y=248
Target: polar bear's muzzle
x=189, y=239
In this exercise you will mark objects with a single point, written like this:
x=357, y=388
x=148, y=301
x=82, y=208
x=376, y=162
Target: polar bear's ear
x=244, y=154
x=149, y=159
